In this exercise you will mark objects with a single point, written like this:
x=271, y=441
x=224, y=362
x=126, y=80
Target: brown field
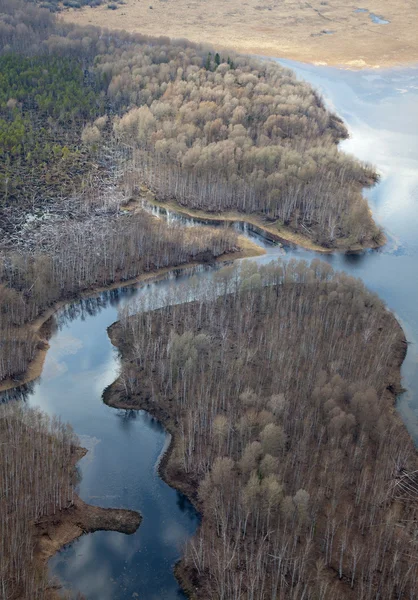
x=279, y=28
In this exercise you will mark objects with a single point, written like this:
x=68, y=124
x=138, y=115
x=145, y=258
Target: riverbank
x=112, y=398
x=170, y=468
x=39, y=326
x=180, y=482
x=272, y=230
x=327, y=33
x=56, y=531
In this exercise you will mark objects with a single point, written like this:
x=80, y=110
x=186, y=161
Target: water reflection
x=119, y=469
x=125, y=446
x=380, y=110
x=379, y=20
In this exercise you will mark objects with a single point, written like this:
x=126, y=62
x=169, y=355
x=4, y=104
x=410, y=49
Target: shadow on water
x=125, y=446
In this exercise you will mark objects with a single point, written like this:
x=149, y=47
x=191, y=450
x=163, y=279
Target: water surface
x=120, y=468
x=379, y=20
x=380, y=109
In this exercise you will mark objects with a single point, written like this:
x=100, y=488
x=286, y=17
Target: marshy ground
x=382, y=33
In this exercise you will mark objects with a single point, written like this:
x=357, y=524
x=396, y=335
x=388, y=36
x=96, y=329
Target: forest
x=68, y=259
x=278, y=385
x=37, y=479
x=277, y=381
x=65, y=183
x=43, y=103
x=212, y=132
x=39, y=508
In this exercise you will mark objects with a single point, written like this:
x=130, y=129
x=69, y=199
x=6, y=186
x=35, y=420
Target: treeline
x=70, y=257
x=36, y=480
x=59, y=5
x=274, y=381
x=251, y=139
x=242, y=135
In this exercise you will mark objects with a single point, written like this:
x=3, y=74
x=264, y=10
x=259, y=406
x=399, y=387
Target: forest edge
x=112, y=398
x=56, y=531
x=246, y=249
x=273, y=230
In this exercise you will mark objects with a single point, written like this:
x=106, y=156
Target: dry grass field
x=319, y=31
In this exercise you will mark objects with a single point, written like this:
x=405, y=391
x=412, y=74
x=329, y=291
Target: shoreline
x=57, y=530
x=111, y=397
x=284, y=235
x=54, y=532
x=247, y=249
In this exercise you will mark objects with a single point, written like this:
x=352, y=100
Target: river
x=119, y=470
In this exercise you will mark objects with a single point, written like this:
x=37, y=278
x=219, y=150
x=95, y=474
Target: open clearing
x=321, y=31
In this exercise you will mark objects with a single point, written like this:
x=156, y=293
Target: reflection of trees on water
x=126, y=418
x=151, y=422
x=187, y=507
x=355, y=258
x=20, y=393
x=92, y=306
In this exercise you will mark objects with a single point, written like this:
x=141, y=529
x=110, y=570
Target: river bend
x=380, y=109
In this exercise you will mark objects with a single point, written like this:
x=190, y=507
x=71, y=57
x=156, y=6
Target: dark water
x=380, y=109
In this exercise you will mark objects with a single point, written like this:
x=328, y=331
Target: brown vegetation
x=325, y=31
x=278, y=383
x=240, y=135
x=245, y=136
x=38, y=506
x=211, y=131
x=82, y=255
x=273, y=231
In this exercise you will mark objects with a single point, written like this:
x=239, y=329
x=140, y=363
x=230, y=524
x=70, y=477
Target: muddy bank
x=113, y=396
x=55, y=531
x=268, y=229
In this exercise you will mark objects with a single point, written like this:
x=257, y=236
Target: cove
x=120, y=469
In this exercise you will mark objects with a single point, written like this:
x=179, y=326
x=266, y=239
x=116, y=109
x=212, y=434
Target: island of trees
x=278, y=384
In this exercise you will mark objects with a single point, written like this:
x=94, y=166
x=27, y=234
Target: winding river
x=119, y=470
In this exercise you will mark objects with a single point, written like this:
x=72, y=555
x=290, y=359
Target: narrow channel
x=120, y=469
